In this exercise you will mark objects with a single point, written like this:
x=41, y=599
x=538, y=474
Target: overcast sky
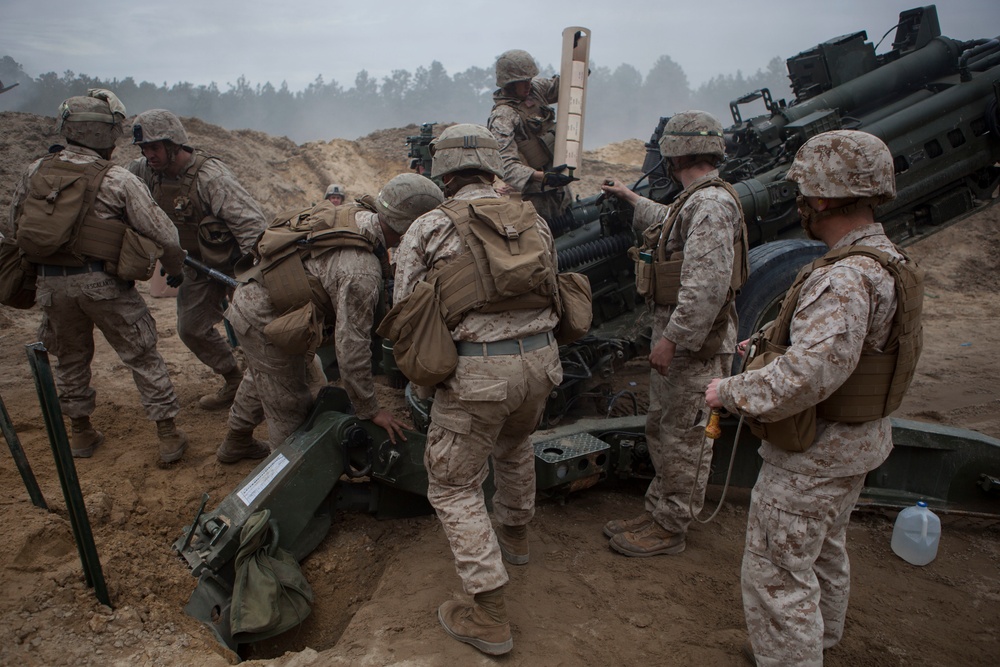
x=201, y=41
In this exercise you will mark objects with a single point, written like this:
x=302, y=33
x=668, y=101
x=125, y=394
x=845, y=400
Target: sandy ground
x=378, y=583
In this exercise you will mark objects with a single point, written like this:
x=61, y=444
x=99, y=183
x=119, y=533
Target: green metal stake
x=38, y=359
x=20, y=459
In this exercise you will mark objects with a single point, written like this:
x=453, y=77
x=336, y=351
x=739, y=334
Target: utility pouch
x=422, y=344
x=17, y=278
x=216, y=244
x=576, y=307
x=667, y=280
x=795, y=433
x=298, y=331
x=643, y=270
x=138, y=256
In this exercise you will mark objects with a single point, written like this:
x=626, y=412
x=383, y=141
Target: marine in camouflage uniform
x=166, y=160
x=335, y=194
x=796, y=574
x=276, y=385
x=508, y=363
x=524, y=125
x=709, y=231
x=75, y=299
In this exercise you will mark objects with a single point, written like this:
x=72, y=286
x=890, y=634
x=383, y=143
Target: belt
x=53, y=270
x=510, y=346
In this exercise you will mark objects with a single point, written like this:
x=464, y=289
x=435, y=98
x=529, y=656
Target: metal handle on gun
x=214, y=274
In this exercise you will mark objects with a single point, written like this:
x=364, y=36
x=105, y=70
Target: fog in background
x=314, y=70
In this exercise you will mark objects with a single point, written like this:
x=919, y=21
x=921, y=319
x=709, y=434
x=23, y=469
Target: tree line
x=622, y=103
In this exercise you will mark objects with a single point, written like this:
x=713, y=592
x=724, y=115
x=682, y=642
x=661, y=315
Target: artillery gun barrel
x=936, y=59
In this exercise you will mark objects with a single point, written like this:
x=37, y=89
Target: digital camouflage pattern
x=509, y=128
x=158, y=125
x=91, y=121
x=488, y=407
x=843, y=309
x=353, y=279
x=705, y=231
x=465, y=146
x=515, y=65
x=692, y=133
x=405, y=198
x=72, y=305
x=844, y=164
x=798, y=519
x=796, y=577
x=199, y=299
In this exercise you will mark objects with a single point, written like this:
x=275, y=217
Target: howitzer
x=933, y=100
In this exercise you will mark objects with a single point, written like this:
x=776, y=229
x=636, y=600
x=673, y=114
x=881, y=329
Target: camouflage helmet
x=515, y=65
x=93, y=120
x=405, y=198
x=844, y=164
x=465, y=146
x=158, y=125
x=335, y=189
x=692, y=133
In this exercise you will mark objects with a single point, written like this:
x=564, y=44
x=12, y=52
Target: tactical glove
x=172, y=281
x=556, y=178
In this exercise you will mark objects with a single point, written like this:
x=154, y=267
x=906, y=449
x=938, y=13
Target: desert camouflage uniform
x=488, y=407
x=275, y=384
x=705, y=231
x=72, y=305
x=506, y=125
x=199, y=298
x=796, y=574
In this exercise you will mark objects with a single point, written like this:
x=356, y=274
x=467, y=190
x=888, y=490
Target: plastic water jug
x=916, y=534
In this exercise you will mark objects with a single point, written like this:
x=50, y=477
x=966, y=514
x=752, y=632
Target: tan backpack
x=298, y=296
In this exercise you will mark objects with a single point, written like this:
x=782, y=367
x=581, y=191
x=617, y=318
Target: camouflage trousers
x=488, y=408
x=275, y=385
x=199, y=310
x=71, y=307
x=796, y=576
x=675, y=434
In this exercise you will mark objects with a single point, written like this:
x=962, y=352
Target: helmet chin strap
x=811, y=216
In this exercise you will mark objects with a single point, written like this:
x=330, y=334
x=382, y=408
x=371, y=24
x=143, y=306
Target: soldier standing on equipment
x=692, y=263
x=75, y=289
x=347, y=281
x=846, y=328
x=508, y=363
x=335, y=194
x=523, y=124
x=218, y=221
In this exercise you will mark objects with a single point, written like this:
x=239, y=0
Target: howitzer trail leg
x=17, y=453
x=38, y=359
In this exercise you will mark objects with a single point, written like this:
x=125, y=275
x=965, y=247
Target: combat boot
x=482, y=623
x=239, y=445
x=223, y=398
x=513, y=544
x=649, y=540
x=616, y=526
x=84, y=438
x=173, y=441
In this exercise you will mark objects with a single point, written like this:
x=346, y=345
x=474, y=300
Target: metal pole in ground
x=38, y=359
x=17, y=452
